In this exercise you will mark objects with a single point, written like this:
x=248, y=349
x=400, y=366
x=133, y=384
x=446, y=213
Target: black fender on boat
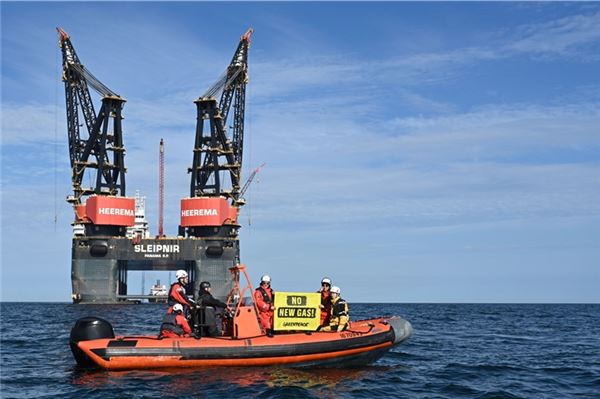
x=86, y=329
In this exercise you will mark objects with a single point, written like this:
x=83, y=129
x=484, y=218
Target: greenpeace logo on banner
x=295, y=324
x=115, y=211
x=199, y=212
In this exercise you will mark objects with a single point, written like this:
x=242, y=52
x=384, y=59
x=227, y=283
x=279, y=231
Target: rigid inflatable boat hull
x=364, y=342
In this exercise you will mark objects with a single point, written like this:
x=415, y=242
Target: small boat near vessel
x=94, y=343
x=365, y=342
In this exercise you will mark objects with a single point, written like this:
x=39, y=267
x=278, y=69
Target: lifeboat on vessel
x=94, y=344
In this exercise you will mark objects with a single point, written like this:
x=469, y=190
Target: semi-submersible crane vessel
x=105, y=244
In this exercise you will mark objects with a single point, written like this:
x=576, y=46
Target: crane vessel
x=108, y=241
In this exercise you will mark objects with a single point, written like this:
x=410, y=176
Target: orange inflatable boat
x=364, y=342
x=94, y=344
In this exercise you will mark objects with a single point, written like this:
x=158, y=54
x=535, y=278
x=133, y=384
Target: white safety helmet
x=335, y=289
x=265, y=279
x=326, y=280
x=178, y=307
x=180, y=274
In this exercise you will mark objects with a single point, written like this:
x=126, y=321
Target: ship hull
x=100, y=265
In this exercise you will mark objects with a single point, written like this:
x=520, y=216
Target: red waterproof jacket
x=174, y=327
x=326, y=310
x=177, y=295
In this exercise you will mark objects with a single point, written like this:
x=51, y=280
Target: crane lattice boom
x=102, y=150
x=214, y=151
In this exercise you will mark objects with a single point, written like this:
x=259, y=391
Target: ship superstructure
x=111, y=234
x=158, y=292
x=140, y=228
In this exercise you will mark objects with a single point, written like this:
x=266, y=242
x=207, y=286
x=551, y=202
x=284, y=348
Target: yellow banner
x=297, y=311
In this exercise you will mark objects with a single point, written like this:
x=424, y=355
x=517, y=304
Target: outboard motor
x=86, y=329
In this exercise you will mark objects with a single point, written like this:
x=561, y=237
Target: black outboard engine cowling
x=86, y=329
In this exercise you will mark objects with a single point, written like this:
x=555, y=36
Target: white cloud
x=31, y=123
x=461, y=193
x=559, y=36
x=497, y=131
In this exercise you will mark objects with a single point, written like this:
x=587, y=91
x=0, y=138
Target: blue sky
x=416, y=152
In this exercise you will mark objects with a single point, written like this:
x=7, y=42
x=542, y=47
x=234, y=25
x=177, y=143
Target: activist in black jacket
x=208, y=310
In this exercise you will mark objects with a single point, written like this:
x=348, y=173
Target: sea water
x=456, y=351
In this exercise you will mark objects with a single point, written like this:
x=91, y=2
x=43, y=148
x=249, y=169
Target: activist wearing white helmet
x=178, y=308
x=180, y=274
x=265, y=279
x=335, y=290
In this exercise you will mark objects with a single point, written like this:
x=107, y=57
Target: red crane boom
x=161, y=187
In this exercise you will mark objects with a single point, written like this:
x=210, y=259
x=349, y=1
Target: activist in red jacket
x=264, y=299
x=325, y=301
x=174, y=324
x=177, y=292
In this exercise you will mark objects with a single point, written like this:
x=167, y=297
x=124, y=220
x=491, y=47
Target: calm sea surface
x=457, y=350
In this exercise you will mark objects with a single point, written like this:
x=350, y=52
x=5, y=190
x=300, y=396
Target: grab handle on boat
x=371, y=326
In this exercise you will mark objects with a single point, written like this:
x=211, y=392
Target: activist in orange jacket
x=264, y=299
x=325, y=301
